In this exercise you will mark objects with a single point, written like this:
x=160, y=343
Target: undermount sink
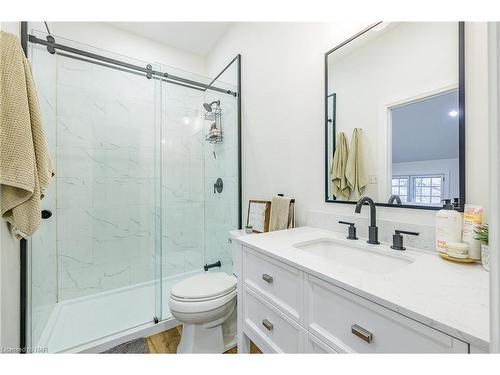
x=366, y=259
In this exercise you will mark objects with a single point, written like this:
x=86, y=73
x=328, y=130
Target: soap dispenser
x=448, y=226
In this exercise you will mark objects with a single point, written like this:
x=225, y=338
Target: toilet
x=206, y=306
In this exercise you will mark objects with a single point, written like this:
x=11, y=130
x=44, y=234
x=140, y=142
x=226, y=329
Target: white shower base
x=99, y=321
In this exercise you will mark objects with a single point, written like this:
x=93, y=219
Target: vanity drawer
x=281, y=284
x=316, y=346
x=270, y=329
x=350, y=323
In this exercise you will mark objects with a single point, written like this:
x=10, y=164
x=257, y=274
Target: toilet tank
x=235, y=253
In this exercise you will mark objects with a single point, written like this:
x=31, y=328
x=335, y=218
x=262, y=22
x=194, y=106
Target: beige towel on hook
x=340, y=187
x=25, y=165
x=355, y=169
x=282, y=215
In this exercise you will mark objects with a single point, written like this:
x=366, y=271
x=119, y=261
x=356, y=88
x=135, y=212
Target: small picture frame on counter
x=258, y=215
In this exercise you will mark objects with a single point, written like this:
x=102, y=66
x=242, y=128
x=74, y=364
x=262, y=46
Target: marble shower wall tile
x=105, y=179
x=183, y=237
x=221, y=160
x=195, y=221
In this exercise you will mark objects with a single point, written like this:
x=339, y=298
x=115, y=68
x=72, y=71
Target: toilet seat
x=204, y=287
x=203, y=293
x=196, y=307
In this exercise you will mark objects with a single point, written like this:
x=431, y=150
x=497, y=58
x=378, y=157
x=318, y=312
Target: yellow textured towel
x=25, y=165
x=355, y=169
x=282, y=214
x=340, y=187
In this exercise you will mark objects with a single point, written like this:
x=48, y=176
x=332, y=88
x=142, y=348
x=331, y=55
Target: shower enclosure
x=141, y=198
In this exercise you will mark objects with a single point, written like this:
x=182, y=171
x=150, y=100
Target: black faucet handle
x=352, y=230
x=399, y=231
x=397, y=238
x=346, y=222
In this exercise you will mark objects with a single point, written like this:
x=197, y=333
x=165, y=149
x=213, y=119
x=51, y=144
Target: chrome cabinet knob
x=268, y=279
x=266, y=323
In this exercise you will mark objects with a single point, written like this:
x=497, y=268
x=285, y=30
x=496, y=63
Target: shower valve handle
x=218, y=186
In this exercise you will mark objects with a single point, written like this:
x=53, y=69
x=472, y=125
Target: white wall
x=283, y=112
x=107, y=37
x=476, y=114
x=9, y=266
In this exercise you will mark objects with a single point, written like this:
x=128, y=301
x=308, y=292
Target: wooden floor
x=167, y=341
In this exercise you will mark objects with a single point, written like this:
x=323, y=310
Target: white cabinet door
x=351, y=323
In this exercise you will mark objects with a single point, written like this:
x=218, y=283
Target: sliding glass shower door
x=94, y=263
x=182, y=186
x=145, y=193
x=200, y=186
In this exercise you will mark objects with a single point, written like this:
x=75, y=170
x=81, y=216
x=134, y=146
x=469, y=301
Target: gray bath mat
x=137, y=346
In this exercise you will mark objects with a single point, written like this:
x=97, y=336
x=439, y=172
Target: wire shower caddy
x=214, y=118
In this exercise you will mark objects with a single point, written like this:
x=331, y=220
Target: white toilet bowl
x=206, y=305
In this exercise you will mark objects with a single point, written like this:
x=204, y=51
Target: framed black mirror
x=395, y=116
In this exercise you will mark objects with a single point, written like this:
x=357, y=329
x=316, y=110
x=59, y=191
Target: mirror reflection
x=393, y=120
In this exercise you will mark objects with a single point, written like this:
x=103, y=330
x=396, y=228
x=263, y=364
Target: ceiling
x=424, y=130
x=196, y=37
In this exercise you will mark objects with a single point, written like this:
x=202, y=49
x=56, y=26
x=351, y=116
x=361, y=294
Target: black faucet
x=372, y=229
x=394, y=198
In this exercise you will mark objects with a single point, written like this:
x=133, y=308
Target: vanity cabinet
x=285, y=310
x=276, y=281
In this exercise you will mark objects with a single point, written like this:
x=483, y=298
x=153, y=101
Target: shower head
x=208, y=107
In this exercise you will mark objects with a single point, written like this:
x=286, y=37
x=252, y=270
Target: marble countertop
x=450, y=297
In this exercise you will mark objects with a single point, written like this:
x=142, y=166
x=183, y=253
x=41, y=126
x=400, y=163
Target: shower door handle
x=46, y=214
